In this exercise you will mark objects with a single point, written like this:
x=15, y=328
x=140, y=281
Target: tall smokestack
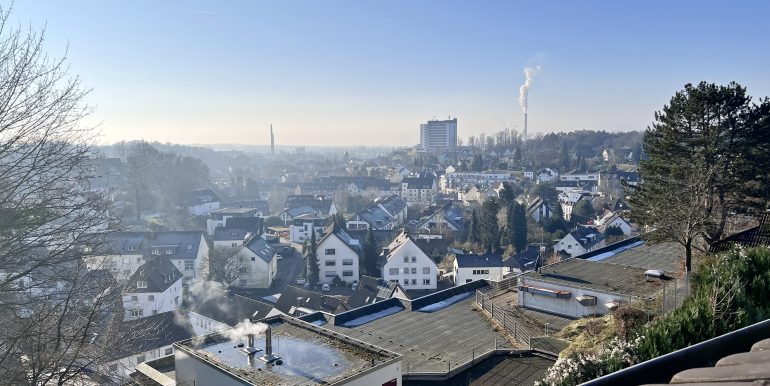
x=529, y=74
x=272, y=141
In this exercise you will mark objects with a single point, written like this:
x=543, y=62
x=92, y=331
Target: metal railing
x=510, y=324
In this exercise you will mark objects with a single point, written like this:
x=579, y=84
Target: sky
x=369, y=72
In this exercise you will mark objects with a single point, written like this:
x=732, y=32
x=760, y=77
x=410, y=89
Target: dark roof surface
x=230, y=234
x=489, y=260
x=498, y=370
x=151, y=332
x=758, y=236
x=229, y=308
x=261, y=248
x=158, y=273
x=371, y=290
x=583, y=236
x=666, y=257
x=311, y=300
x=525, y=260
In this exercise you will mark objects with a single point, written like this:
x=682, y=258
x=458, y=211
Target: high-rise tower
x=272, y=141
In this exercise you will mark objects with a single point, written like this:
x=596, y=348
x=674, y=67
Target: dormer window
x=141, y=284
x=156, y=251
x=169, y=251
x=189, y=246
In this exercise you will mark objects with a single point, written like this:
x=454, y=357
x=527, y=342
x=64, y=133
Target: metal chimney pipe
x=268, y=342
x=251, y=340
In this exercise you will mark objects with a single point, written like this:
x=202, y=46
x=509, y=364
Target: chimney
x=269, y=358
x=250, y=349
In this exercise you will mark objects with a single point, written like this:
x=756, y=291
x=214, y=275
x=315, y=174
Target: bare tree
x=224, y=265
x=53, y=311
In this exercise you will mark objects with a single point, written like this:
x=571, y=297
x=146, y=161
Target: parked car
x=279, y=257
x=306, y=285
x=326, y=288
x=354, y=285
x=300, y=280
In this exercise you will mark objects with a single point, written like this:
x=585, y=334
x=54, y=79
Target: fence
x=512, y=326
x=674, y=293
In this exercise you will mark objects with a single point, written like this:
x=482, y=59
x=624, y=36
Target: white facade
x=582, y=177
x=563, y=300
x=203, y=325
x=469, y=274
x=572, y=247
x=408, y=265
x=203, y=208
x=120, y=266
x=335, y=258
x=304, y=231
x=438, y=134
x=255, y=272
x=121, y=368
x=613, y=220
x=140, y=304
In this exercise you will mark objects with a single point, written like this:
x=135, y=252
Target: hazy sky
x=369, y=72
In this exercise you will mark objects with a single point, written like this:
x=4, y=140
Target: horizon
x=343, y=74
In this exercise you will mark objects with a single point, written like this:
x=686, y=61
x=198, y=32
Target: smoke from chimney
x=529, y=74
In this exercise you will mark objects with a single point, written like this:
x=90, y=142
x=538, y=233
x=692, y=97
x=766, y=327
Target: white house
x=470, y=268
x=127, y=251
x=155, y=288
x=547, y=175
x=387, y=214
x=202, y=202
x=418, y=190
x=225, y=238
x=612, y=219
x=301, y=228
x=446, y=219
x=218, y=218
x=580, y=241
x=299, y=205
x=337, y=257
x=408, y=265
x=257, y=264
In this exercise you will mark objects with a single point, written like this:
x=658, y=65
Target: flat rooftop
x=431, y=342
x=309, y=355
x=598, y=275
x=667, y=257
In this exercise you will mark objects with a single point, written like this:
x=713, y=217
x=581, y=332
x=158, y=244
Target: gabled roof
x=201, y=196
x=392, y=204
x=158, y=274
x=249, y=224
x=230, y=234
x=182, y=244
x=371, y=290
x=523, y=261
x=490, y=260
x=300, y=211
x=261, y=248
x=309, y=299
x=229, y=308
x=418, y=182
x=587, y=236
x=316, y=203
x=350, y=242
x=433, y=247
x=376, y=217
x=150, y=333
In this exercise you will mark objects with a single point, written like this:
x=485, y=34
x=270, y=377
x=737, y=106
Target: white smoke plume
x=239, y=332
x=529, y=74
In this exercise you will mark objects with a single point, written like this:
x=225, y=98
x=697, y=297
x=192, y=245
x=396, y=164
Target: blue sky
x=368, y=72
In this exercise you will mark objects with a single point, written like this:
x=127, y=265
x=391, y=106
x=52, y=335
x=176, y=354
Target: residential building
x=372, y=290
x=568, y=201
x=295, y=301
x=337, y=257
x=202, y=202
x=581, y=240
x=418, y=190
x=216, y=309
x=526, y=260
x=409, y=265
x=387, y=214
x=257, y=264
x=155, y=288
x=188, y=250
x=446, y=220
x=219, y=217
x=538, y=209
x=613, y=219
x=438, y=135
x=470, y=268
x=301, y=228
x=232, y=238
x=298, y=205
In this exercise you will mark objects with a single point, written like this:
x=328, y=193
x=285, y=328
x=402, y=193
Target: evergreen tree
x=313, y=270
x=488, y=227
x=507, y=195
x=370, y=255
x=339, y=221
x=519, y=225
x=477, y=164
x=564, y=161
x=707, y=157
x=508, y=236
x=474, y=234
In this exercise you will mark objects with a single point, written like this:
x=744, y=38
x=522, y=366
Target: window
x=253, y=258
x=141, y=284
x=330, y=251
x=136, y=313
x=151, y=297
x=139, y=359
x=234, y=245
x=406, y=281
x=242, y=270
x=427, y=281
x=138, y=260
x=347, y=273
x=156, y=251
x=347, y=262
x=569, y=246
x=426, y=270
x=169, y=351
x=169, y=251
x=176, y=300
x=330, y=273
x=406, y=271
x=393, y=271
x=414, y=271
x=406, y=259
x=189, y=264
x=414, y=281
x=414, y=259
x=330, y=263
